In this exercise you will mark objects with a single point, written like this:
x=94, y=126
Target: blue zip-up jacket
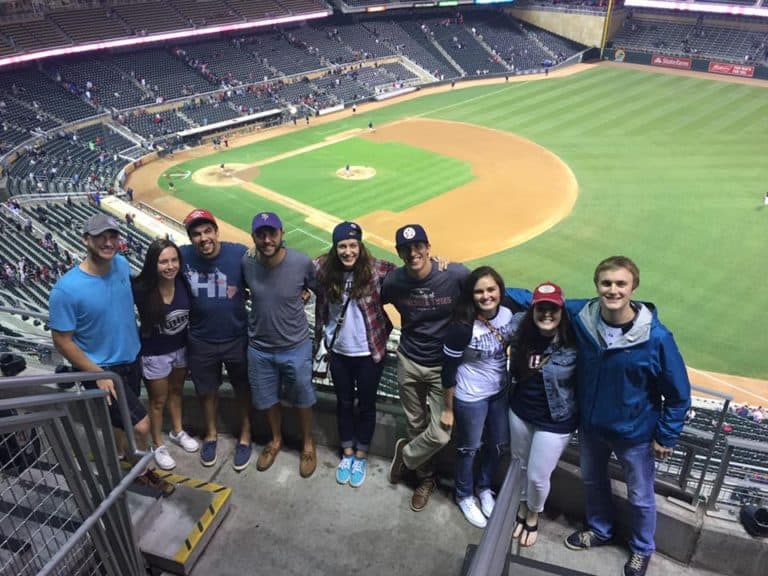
x=636, y=390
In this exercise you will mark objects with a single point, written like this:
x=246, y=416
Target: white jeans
x=538, y=452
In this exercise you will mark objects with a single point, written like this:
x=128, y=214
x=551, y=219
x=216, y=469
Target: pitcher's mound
x=356, y=172
x=217, y=176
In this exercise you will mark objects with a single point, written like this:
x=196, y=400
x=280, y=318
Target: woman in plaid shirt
x=350, y=317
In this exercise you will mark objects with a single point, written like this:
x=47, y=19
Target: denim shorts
x=284, y=374
x=158, y=367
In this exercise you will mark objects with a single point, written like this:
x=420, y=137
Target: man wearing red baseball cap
x=217, y=328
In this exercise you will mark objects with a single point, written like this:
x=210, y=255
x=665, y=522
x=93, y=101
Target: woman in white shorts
x=162, y=297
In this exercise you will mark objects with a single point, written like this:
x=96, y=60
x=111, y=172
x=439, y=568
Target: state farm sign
x=671, y=62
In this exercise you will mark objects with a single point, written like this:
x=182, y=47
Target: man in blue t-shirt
x=425, y=297
x=93, y=326
x=217, y=328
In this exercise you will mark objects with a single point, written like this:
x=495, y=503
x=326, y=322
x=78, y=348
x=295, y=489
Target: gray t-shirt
x=425, y=308
x=277, y=318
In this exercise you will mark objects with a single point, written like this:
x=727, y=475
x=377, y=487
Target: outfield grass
x=672, y=172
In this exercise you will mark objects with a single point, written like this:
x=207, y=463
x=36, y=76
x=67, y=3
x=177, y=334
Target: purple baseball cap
x=269, y=219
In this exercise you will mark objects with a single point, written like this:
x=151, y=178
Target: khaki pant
x=421, y=395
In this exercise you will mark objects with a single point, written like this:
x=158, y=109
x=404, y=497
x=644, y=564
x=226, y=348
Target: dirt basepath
x=520, y=190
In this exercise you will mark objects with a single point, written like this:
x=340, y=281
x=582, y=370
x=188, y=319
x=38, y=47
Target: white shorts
x=157, y=367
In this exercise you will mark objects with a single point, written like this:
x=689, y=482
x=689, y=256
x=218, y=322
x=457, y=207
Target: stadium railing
x=61, y=485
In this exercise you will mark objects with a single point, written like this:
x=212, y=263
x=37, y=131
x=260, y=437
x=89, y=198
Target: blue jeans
x=485, y=423
x=355, y=376
x=638, y=465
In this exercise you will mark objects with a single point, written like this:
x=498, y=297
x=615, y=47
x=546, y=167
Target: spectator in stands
x=280, y=351
x=162, y=298
x=350, y=318
x=637, y=402
x=474, y=377
x=93, y=325
x=217, y=328
x=543, y=412
x=424, y=296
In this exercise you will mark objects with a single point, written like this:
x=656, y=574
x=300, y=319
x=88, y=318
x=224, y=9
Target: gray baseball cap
x=99, y=223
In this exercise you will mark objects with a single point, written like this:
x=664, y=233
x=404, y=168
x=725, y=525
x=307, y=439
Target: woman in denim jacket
x=542, y=413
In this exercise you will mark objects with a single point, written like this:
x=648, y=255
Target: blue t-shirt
x=217, y=313
x=171, y=334
x=99, y=310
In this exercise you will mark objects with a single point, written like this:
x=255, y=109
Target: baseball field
x=539, y=178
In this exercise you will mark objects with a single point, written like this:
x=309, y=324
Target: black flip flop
x=520, y=521
x=528, y=529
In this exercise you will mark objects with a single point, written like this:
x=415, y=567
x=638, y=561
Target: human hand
x=442, y=263
x=109, y=387
x=305, y=295
x=446, y=420
x=661, y=452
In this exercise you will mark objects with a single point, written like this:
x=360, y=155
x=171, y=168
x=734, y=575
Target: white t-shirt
x=352, y=339
x=482, y=371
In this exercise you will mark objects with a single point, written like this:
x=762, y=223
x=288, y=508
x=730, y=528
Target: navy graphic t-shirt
x=171, y=335
x=217, y=287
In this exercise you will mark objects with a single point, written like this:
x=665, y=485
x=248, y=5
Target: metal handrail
x=50, y=406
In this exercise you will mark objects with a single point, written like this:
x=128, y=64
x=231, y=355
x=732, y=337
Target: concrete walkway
x=282, y=525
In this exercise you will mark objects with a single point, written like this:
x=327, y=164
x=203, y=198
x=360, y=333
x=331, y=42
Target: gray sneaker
x=584, y=540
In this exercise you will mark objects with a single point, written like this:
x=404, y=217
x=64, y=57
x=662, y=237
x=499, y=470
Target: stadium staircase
x=447, y=56
x=68, y=505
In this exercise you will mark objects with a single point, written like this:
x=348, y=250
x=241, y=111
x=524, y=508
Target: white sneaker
x=185, y=441
x=471, y=512
x=487, y=502
x=163, y=459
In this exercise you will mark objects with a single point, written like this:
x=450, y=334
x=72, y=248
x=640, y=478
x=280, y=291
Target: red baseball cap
x=548, y=292
x=199, y=215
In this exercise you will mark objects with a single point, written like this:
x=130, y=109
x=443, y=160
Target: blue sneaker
x=344, y=469
x=359, y=468
x=208, y=453
x=242, y=456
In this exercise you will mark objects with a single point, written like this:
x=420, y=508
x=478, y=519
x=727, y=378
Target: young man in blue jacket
x=633, y=392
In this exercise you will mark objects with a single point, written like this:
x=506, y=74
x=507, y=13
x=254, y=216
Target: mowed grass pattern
x=672, y=172
x=405, y=176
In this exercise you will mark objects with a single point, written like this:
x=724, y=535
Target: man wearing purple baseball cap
x=280, y=350
x=425, y=297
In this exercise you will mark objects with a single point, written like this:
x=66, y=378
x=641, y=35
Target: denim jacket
x=559, y=375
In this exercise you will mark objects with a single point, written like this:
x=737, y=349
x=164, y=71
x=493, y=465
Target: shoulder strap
x=339, y=322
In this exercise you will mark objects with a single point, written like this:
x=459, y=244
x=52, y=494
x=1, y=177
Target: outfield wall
x=746, y=70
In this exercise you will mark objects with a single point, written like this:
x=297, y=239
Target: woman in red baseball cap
x=542, y=401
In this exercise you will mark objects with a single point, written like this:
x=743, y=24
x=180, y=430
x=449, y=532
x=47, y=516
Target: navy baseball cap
x=264, y=219
x=347, y=231
x=410, y=234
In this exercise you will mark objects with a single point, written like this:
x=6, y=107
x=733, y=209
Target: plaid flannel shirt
x=377, y=323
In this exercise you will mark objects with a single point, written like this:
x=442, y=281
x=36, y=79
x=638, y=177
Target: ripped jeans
x=480, y=426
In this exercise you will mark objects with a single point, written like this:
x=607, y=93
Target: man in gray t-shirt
x=425, y=297
x=279, y=346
